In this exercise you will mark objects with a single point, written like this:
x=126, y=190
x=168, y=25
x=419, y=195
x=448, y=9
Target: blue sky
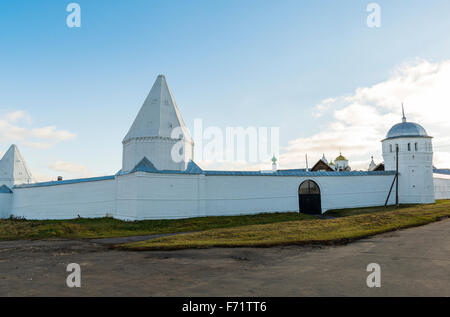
x=231, y=63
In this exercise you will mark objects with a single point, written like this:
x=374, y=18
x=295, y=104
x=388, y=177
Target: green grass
x=15, y=229
x=317, y=231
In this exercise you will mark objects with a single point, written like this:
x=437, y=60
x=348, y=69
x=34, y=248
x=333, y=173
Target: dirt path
x=120, y=240
x=414, y=262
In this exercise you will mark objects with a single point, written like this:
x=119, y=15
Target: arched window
x=390, y=147
x=416, y=146
x=409, y=147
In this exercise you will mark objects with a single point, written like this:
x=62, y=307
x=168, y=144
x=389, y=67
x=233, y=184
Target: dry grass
x=15, y=229
x=365, y=210
x=315, y=231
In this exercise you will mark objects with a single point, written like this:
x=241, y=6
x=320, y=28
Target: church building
x=159, y=178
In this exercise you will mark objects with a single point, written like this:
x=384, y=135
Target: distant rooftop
x=445, y=171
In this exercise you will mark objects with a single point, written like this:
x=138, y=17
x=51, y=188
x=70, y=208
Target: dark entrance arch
x=309, y=198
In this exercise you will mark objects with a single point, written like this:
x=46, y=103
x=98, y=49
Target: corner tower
x=415, y=161
x=13, y=169
x=158, y=133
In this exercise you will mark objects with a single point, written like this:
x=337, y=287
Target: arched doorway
x=309, y=198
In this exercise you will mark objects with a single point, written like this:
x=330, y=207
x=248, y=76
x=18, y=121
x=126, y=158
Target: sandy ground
x=414, y=262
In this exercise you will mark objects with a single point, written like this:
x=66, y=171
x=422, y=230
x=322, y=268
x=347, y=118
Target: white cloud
x=73, y=169
x=361, y=120
x=15, y=127
x=39, y=176
x=17, y=115
x=51, y=133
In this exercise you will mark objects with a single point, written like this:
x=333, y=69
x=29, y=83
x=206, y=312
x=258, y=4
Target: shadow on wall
x=5, y=202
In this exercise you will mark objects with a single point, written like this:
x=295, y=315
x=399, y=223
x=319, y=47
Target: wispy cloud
x=16, y=127
x=73, y=169
x=18, y=115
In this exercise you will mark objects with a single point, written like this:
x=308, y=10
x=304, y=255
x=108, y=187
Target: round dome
x=340, y=158
x=406, y=129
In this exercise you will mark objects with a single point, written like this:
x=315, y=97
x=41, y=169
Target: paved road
x=414, y=262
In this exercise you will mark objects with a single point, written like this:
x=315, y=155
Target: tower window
x=416, y=146
x=409, y=147
x=390, y=147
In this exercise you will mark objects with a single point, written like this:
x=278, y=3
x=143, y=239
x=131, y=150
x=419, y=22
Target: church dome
x=340, y=158
x=406, y=129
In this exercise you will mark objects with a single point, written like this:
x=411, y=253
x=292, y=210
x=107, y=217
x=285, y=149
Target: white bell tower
x=158, y=133
x=415, y=161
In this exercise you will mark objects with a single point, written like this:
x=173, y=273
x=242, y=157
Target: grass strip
x=16, y=229
x=316, y=231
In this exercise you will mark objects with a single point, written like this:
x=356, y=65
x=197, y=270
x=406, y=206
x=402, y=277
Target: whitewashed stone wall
x=65, y=201
x=442, y=186
x=157, y=196
x=230, y=195
x=142, y=195
x=5, y=205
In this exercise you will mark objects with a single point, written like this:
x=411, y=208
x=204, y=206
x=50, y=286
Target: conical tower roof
x=13, y=169
x=372, y=165
x=159, y=114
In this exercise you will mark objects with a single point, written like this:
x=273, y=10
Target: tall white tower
x=158, y=133
x=415, y=161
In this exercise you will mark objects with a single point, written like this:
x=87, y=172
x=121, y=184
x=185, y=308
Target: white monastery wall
x=442, y=186
x=355, y=191
x=231, y=195
x=141, y=195
x=158, y=196
x=65, y=201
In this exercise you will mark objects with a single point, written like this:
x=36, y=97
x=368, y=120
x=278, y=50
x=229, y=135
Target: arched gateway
x=309, y=198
